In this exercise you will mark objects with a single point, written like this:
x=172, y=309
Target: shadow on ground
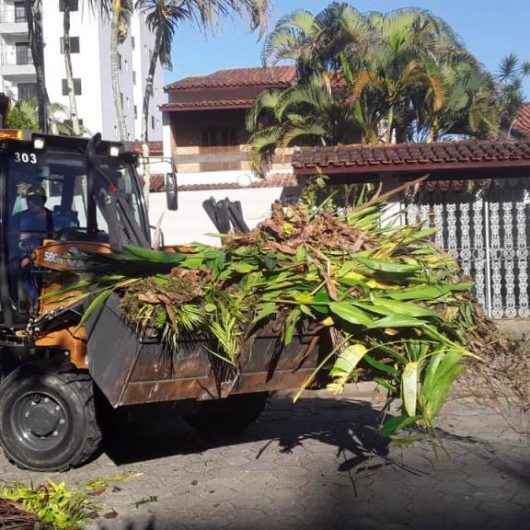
x=150, y=432
x=374, y=489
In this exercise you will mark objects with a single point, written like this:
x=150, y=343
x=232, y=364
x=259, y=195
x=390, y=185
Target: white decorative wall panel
x=486, y=231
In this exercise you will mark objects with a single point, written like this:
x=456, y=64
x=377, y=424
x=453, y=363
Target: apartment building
x=90, y=48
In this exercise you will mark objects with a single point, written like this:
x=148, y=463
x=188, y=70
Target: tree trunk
x=74, y=117
x=115, y=69
x=148, y=93
x=390, y=125
x=33, y=10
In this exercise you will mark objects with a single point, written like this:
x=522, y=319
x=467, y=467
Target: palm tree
x=397, y=77
x=121, y=11
x=74, y=117
x=24, y=115
x=512, y=72
x=33, y=10
x=312, y=113
x=313, y=42
x=162, y=18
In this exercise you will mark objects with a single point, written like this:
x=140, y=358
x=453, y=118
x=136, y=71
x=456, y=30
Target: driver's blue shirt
x=32, y=227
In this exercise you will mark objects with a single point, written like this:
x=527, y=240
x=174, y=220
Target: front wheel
x=228, y=416
x=48, y=419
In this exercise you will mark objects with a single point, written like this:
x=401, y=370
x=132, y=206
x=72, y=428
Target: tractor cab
x=62, y=189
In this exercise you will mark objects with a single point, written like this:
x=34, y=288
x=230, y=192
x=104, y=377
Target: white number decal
x=25, y=158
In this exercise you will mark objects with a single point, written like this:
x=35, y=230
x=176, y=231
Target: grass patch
x=57, y=506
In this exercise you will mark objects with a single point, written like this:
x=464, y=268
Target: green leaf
x=153, y=256
x=428, y=292
x=290, y=325
x=266, y=310
x=192, y=262
x=243, y=268
x=403, y=308
x=348, y=360
x=443, y=370
x=409, y=387
x=271, y=261
x=396, y=321
x=387, y=266
x=378, y=365
x=425, y=233
x=303, y=298
x=350, y=313
x=95, y=304
x=307, y=311
x=395, y=424
x=300, y=254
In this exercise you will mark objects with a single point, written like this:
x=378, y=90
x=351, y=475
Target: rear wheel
x=228, y=416
x=48, y=419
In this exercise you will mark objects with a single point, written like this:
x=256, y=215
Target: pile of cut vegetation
x=395, y=305
x=13, y=518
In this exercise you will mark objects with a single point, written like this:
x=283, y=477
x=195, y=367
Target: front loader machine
x=56, y=377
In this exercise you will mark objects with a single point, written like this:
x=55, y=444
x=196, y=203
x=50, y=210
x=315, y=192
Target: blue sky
x=490, y=29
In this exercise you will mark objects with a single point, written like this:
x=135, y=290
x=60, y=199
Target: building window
x=135, y=112
x=126, y=65
x=119, y=61
x=20, y=12
x=77, y=87
x=134, y=77
x=27, y=91
x=121, y=99
x=23, y=53
x=74, y=5
x=153, y=122
x=116, y=131
x=133, y=42
x=74, y=45
x=216, y=136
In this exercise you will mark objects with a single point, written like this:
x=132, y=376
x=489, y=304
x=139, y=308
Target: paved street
x=316, y=465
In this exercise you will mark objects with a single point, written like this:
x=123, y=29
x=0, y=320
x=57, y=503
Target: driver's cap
x=36, y=190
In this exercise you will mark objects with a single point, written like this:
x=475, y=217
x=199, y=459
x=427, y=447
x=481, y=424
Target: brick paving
x=316, y=465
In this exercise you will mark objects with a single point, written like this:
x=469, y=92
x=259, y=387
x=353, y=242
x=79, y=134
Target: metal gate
x=485, y=229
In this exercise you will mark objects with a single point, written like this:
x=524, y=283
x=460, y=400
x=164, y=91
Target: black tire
x=228, y=416
x=48, y=419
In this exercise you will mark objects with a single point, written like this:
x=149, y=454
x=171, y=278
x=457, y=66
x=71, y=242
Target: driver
x=32, y=226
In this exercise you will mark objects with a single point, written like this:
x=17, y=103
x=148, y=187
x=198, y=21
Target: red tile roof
x=412, y=158
x=276, y=76
x=522, y=123
x=209, y=104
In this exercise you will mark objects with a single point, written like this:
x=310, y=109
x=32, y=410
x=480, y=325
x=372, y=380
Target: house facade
x=477, y=194
x=205, y=132
x=90, y=48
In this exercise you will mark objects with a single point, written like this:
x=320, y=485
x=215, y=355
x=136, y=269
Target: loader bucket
x=130, y=369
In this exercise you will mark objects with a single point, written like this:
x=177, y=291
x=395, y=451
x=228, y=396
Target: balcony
x=16, y=60
x=13, y=21
x=198, y=159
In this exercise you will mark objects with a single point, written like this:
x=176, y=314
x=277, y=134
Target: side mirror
x=172, y=192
